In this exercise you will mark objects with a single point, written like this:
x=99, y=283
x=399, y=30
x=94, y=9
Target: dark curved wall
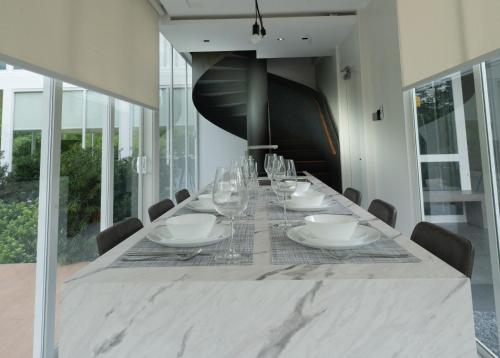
x=302, y=126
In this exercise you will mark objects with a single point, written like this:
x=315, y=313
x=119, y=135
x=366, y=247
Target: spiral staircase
x=299, y=120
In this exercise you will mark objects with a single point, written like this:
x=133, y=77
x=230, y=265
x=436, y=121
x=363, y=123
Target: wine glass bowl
x=230, y=198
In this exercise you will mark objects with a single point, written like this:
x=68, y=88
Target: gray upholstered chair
x=160, y=208
x=117, y=233
x=353, y=195
x=384, y=211
x=181, y=195
x=453, y=249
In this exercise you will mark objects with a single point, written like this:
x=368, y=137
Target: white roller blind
x=107, y=45
x=438, y=35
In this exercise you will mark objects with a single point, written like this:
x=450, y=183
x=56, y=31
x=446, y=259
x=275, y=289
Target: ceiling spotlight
x=258, y=30
x=280, y=39
x=305, y=38
x=206, y=40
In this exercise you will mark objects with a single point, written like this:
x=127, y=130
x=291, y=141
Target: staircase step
x=214, y=87
x=223, y=112
x=222, y=93
x=224, y=75
x=217, y=81
x=232, y=97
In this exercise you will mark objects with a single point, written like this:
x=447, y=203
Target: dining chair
x=453, y=249
x=353, y=195
x=117, y=233
x=181, y=195
x=384, y=211
x=160, y=208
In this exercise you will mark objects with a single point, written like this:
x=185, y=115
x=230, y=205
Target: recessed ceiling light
x=305, y=38
x=280, y=39
x=206, y=40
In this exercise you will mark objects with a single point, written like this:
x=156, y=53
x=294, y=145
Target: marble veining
x=261, y=310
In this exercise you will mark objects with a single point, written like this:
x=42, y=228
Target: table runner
x=288, y=252
x=243, y=243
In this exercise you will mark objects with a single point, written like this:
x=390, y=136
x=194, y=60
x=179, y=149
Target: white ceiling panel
x=197, y=8
x=324, y=33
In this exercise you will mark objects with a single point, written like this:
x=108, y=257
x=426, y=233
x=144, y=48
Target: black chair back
x=353, y=195
x=181, y=195
x=453, y=249
x=384, y=211
x=160, y=208
x=117, y=233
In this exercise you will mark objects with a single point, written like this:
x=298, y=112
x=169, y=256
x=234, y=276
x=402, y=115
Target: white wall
x=389, y=159
x=436, y=36
x=326, y=83
x=351, y=117
x=216, y=148
x=298, y=69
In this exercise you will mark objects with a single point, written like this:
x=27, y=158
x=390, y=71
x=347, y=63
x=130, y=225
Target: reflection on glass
x=452, y=180
x=19, y=194
x=126, y=150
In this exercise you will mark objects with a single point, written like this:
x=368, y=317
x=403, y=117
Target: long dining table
x=281, y=300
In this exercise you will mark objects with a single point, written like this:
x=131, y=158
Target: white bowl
x=307, y=199
x=206, y=200
x=331, y=227
x=190, y=226
x=302, y=186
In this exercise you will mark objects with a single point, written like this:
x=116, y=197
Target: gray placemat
x=288, y=252
x=242, y=243
x=275, y=211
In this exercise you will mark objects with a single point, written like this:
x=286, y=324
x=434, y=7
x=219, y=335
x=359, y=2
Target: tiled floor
x=17, y=294
x=482, y=287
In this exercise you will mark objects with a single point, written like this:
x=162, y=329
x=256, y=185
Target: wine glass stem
x=284, y=211
x=231, y=250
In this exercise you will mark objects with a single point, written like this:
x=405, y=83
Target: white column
x=461, y=130
x=7, y=128
x=107, y=167
x=151, y=176
x=48, y=217
x=125, y=119
x=84, y=119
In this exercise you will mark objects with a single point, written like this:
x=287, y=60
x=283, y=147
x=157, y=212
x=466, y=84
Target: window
x=447, y=124
x=178, y=124
x=83, y=177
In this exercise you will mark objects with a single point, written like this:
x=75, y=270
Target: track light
x=258, y=31
x=255, y=38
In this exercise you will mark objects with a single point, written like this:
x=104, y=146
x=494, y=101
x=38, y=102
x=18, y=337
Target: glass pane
x=435, y=117
x=165, y=117
x=192, y=127
x=126, y=147
x=452, y=181
x=179, y=123
x=80, y=183
x=19, y=189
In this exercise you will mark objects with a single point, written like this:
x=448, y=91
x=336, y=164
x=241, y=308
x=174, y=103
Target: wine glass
x=278, y=161
x=230, y=197
x=285, y=182
x=268, y=163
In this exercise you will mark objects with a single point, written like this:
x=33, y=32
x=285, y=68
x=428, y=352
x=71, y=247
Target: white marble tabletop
x=367, y=310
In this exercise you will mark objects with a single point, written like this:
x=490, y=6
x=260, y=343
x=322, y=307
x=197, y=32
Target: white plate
x=323, y=206
x=196, y=205
x=363, y=235
x=218, y=233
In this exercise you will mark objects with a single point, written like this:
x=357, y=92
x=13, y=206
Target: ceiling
x=227, y=25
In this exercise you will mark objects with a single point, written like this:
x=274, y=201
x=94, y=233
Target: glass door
x=454, y=180
x=129, y=161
